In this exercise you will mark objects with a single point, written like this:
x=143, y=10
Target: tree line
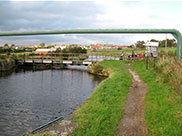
x=12, y=49
x=170, y=43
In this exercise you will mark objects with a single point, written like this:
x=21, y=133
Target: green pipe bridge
x=174, y=32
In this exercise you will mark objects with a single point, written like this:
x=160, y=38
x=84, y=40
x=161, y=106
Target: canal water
x=29, y=99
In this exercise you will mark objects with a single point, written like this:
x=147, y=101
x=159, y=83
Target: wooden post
x=154, y=61
x=147, y=62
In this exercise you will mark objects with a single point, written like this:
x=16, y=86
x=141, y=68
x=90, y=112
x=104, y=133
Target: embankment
x=101, y=113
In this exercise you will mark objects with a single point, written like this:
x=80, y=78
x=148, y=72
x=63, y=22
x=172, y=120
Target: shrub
x=97, y=69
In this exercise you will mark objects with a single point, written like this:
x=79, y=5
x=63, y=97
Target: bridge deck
x=62, y=58
x=65, y=62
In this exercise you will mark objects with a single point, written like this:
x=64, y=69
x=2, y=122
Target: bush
x=74, y=50
x=97, y=69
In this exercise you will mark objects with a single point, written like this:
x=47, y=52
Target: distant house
x=85, y=47
x=122, y=46
x=60, y=47
x=42, y=50
x=107, y=47
x=95, y=47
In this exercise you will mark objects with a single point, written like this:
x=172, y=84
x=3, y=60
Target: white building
x=45, y=50
x=60, y=47
x=156, y=44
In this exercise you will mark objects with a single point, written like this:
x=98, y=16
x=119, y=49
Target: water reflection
x=29, y=99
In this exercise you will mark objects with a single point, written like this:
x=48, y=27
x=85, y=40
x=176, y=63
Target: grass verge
x=101, y=113
x=163, y=107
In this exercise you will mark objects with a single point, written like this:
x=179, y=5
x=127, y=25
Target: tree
x=6, y=48
x=74, y=50
x=50, y=46
x=140, y=44
x=12, y=45
x=154, y=40
x=6, y=45
x=42, y=45
x=131, y=46
x=170, y=43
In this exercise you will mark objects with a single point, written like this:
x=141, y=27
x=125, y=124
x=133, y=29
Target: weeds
x=170, y=69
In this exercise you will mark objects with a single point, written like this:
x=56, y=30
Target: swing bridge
x=84, y=59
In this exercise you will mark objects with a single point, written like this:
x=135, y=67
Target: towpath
x=132, y=123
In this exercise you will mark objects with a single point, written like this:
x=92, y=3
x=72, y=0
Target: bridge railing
x=52, y=56
x=78, y=57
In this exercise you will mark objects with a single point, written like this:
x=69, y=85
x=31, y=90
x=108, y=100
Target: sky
x=43, y=15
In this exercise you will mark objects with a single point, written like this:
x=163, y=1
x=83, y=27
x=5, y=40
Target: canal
x=29, y=99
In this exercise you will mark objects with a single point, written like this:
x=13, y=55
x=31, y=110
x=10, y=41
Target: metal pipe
x=174, y=32
x=45, y=125
x=91, y=31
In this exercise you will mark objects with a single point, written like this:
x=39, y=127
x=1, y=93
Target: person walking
x=140, y=55
x=121, y=55
x=133, y=55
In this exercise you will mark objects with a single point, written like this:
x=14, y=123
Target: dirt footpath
x=132, y=123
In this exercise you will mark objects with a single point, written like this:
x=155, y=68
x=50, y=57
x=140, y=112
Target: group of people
x=132, y=56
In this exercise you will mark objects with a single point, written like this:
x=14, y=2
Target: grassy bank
x=163, y=106
x=101, y=113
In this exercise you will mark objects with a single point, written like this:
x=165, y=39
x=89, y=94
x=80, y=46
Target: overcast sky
x=58, y=15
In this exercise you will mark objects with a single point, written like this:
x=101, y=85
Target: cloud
x=56, y=15
x=46, y=15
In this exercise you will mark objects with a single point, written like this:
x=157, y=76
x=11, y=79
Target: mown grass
x=101, y=113
x=163, y=106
